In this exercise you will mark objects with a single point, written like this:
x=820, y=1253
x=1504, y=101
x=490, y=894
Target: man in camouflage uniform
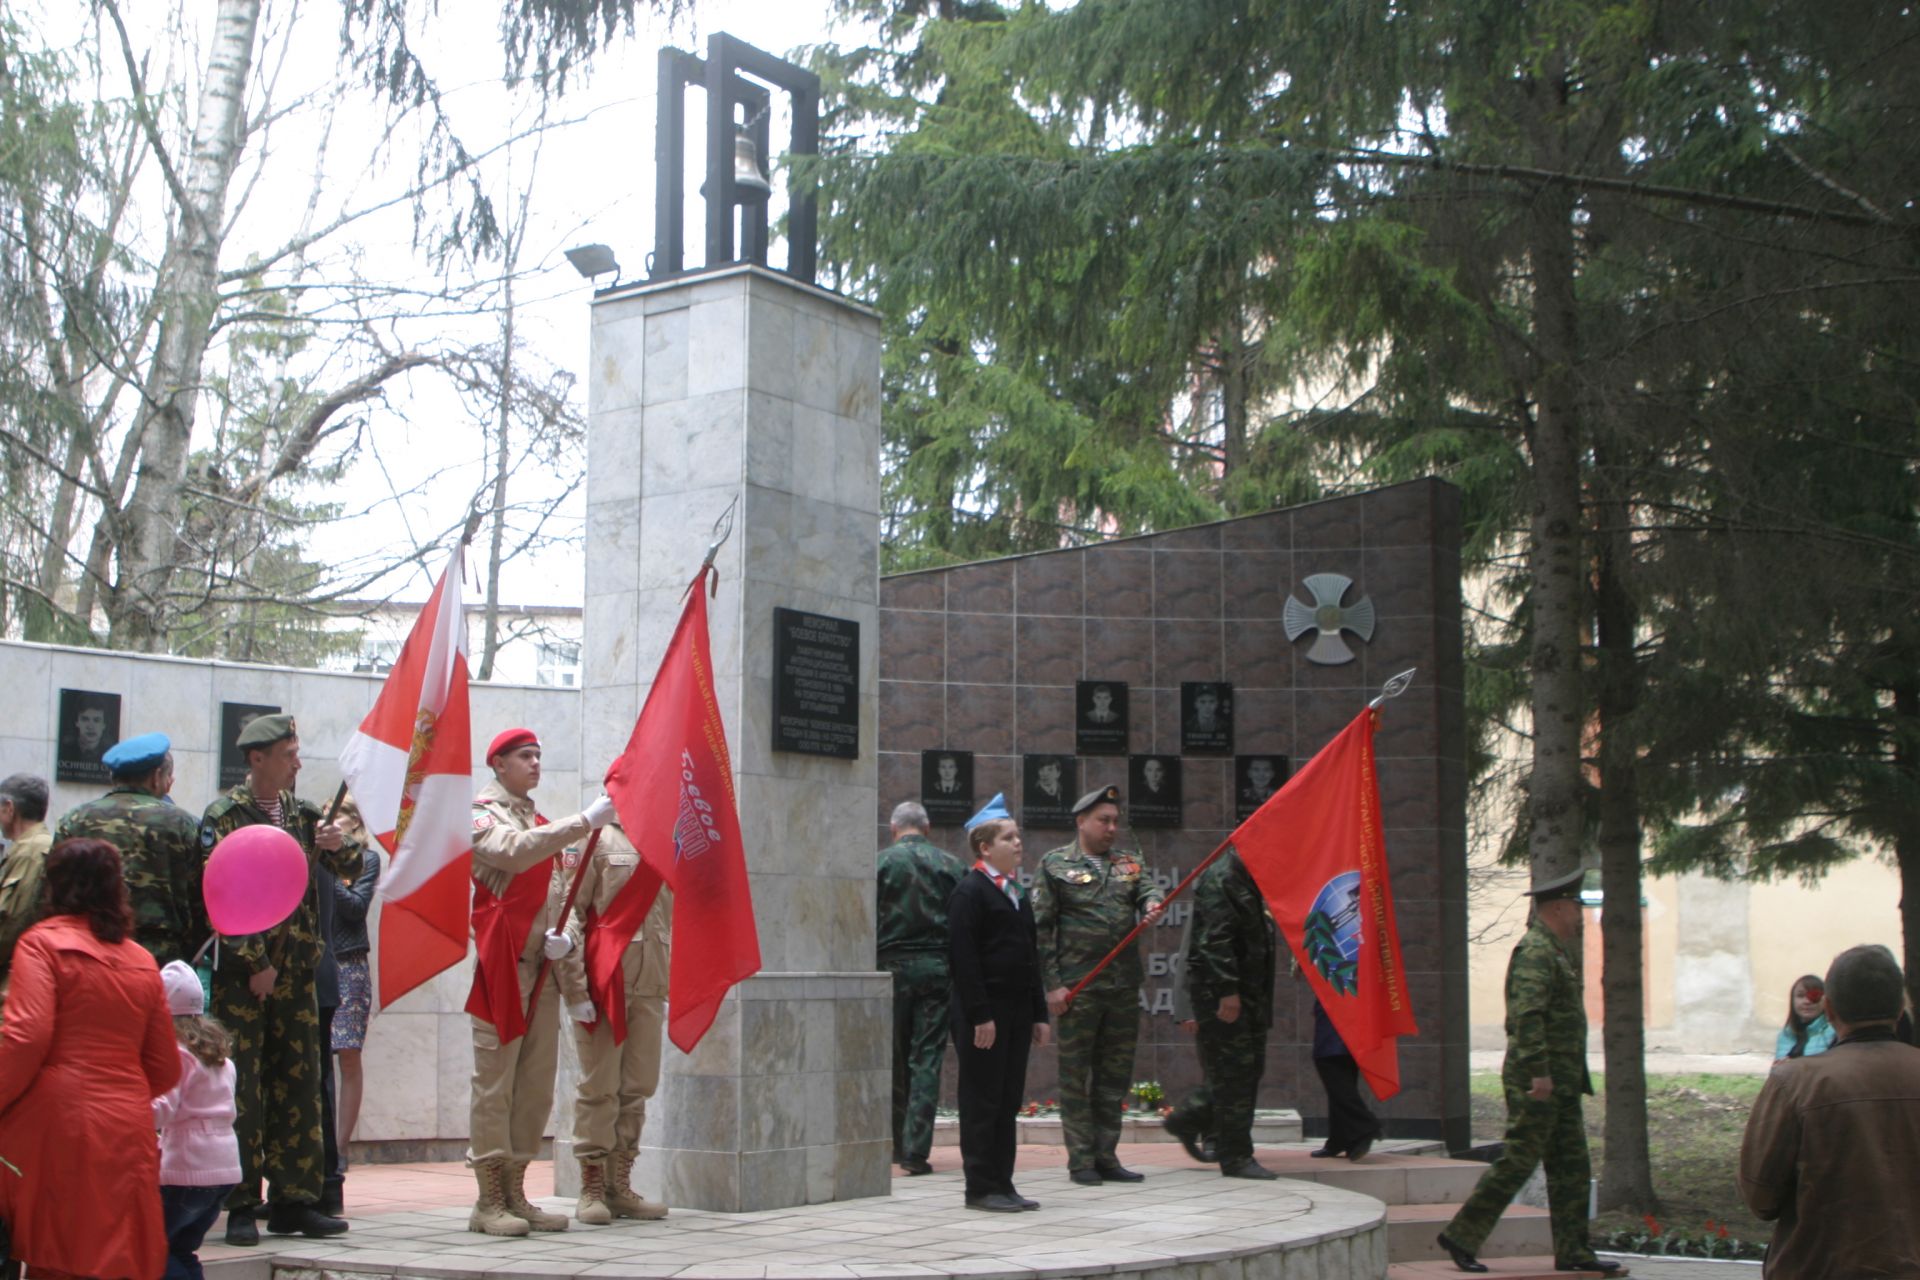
x=1085, y=900
x=263, y=994
x=616, y=1079
x=1544, y=1076
x=519, y=887
x=916, y=877
x=159, y=846
x=23, y=821
x=1228, y=970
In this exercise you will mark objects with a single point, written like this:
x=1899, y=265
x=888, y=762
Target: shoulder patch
x=482, y=821
x=570, y=858
x=206, y=837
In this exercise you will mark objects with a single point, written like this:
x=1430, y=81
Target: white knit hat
x=184, y=992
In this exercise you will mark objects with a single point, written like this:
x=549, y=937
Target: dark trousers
x=993, y=1084
x=189, y=1213
x=1234, y=1057
x=1349, y=1119
x=333, y=1159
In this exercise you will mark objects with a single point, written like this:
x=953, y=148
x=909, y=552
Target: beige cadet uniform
x=617, y=1079
x=513, y=1083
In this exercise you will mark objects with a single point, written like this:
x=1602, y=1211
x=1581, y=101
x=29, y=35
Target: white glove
x=582, y=1012
x=600, y=812
x=556, y=945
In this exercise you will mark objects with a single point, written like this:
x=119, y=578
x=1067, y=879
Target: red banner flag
x=673, y=789
x=411, y=769
x=1316, y=851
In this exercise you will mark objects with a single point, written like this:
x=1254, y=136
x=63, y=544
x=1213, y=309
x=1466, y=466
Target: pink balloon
x=254, y=879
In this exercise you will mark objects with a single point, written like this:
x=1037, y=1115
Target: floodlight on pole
x=592, y=260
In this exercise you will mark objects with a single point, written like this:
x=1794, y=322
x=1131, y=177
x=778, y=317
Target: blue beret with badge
x=136, y=757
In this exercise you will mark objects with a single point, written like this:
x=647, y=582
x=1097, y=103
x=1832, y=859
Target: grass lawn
x=1694, y=1125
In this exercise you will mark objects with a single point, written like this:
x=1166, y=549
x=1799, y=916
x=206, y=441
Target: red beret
x=508, y=740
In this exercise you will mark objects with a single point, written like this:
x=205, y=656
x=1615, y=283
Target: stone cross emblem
x=1328, y=617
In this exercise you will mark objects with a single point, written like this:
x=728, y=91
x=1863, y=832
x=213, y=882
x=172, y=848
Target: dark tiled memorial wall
x=990, y=659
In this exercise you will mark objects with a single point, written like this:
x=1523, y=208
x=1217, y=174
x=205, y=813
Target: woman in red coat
x=87, y=1046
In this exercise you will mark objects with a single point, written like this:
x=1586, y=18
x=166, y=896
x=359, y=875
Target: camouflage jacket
x=1083, y=904
x=1230, y=951
x=916, y=877
x=1546, y=1015
x=21, y=876
x=295, y=943
x=160, y=856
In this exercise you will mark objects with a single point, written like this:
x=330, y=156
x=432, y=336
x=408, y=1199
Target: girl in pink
x=199, y=1155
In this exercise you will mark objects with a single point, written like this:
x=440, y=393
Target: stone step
x=1268, y=1127
x=1540, y=1268
x=252, y=1265
x=1392, y=1177
x=1411, y=1228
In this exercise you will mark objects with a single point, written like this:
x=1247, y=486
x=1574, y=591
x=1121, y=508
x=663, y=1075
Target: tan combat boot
x=592, y=1205
x=520, y=1207
x=490, y=1213
x=620, y=1196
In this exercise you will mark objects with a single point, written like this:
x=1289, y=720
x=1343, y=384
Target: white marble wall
x=741, y=383
x=418, y=1055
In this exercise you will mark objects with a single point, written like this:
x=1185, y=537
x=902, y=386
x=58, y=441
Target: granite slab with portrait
x=1154, y=792
x=1255, y=779
x=1206, y=718
x=946, y=786
x=1048, y=787
x=1100, y=718
x=89, y=724
x=234, y=717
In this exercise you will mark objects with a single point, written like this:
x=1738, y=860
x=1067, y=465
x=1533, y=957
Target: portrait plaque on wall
x=1153, y=791
x=1047, y=791
x=235, y=716
x=1100, y=718
x=89, y=724
x=1206, y=718
x=946, y=786
x=816, y=684
x=1255, y=778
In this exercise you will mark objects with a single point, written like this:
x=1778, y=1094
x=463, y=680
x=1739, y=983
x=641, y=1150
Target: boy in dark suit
x=999, y=1008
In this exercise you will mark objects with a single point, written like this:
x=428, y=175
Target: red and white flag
x=673, y=789
x=410, y=767
x=1316, y=851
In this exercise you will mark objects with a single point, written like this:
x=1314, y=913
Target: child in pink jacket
x=199, y=1155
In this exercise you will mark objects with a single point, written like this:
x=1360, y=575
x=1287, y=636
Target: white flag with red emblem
x=411, y=770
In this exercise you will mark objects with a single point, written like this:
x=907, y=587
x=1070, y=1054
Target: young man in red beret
x=518, y=888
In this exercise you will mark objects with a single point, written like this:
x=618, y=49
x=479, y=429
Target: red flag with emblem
x=1316, y=851
x=673, y=788
x=410, y=766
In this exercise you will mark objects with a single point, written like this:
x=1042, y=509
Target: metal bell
x=748, y=182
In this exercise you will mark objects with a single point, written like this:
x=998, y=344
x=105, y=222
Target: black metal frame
x=719, y=74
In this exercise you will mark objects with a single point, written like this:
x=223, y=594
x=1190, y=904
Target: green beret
x=264, y=731
x=1099, y=795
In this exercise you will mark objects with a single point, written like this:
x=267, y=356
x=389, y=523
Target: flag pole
x=566, y=909
x=1392, y=689
x=722, y=529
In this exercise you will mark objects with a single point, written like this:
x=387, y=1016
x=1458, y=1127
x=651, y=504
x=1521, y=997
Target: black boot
x=1462, y=1258
x=241, y=1228
x=301, y=1219
x=333, y=1196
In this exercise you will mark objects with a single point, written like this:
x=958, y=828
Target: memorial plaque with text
x=946, y=786
x=1100, y=718
x=816, y=684
x=1153, y=792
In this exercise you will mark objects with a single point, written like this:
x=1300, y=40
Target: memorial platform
x=1185, y=1222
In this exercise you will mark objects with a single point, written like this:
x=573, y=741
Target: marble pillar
x=742, y=383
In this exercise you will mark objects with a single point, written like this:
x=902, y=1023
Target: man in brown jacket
x=1832, y=1149
x=518, y=888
